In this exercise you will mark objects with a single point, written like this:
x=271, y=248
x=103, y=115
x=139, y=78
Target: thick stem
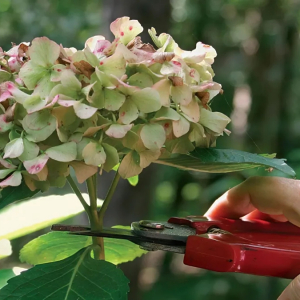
x=78, y=194
x=95, y=222
x=108, y=197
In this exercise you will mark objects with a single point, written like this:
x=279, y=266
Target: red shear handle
x=229, y=253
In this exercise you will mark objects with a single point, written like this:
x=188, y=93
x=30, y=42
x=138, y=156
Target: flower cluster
x=122, y=101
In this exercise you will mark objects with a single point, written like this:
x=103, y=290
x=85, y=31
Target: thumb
x=292, y=292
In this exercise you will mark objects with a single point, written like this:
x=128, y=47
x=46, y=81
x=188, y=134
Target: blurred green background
x=258, y=65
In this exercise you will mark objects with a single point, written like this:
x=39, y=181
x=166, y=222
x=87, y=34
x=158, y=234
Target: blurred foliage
x=68, y=22
x=258, y=65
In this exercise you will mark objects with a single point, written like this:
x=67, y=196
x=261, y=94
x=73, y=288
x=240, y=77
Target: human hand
x=264, y=198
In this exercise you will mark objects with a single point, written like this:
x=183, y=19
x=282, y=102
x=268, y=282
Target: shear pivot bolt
x=151, y=225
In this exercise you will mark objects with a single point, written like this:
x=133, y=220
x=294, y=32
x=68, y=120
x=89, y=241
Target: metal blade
x=118, y=233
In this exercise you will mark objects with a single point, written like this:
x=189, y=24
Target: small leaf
x=191, y=111
x=4, y=76
x=153, y=136
x=223, y=161
x=181, y=94
x=83, y=171
x=113, y=100
x=166, y=113
x=63, y=153
x=112, y=157
x=5, y=172
x=125, y=29
x=147, y=100
x=39, y=125
x=34, y=103
x=215, y=121
x=35, y=165
x=181, y=127
x=14, y=148
x=180, y=145
x=4, y=125
x=133, y=180
x=130, y=165
x=147, y=157
x=141, y=80
x=163, y=87
x=84, y=111
x=128, y=112
x=77, y=277
x=13, y=180
x=43, y=51
x=118, y=131
x=31, y=150
x=12, y=194
x=113, y=65
x=93, y=154
x=55, y=246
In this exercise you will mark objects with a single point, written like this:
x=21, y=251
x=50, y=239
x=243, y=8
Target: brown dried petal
x=85, y=68
x=161, y=57
x=204, y=98
x=176, y=80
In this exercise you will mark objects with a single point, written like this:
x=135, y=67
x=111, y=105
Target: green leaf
x=181, y=94
x=94, y=154
x=5, y=274
x=133, y=180
x=128, y=112
x=31, y=150
x=31, y=73
x=63, y=153
x=223, y=161
x=14, y=179
x=84, y=111
x=153, y=136
x=5, y=172
x=166, y=113
x=215, y=121
x=130, y=165
x=142, y=80
x=4, y=125
x=113, y=100
x=77, y=277
x=38, y=213
x=43, y=51
x=12, y=194
x=34, y=103
x=14, y=148
x=37, y=164
x=147, y=100
x=4, y=76
x=118, y=131
x=112, y=157
x=55, y=246
x=181, y=127
x=39, y=125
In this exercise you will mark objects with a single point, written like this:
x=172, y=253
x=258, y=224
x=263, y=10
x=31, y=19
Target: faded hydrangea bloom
x=112, y=102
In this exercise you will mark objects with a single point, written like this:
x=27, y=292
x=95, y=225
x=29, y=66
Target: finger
x=270, y=195
x=258, y=215
x=292, y=292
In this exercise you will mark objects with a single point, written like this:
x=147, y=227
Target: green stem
x=108, y=197
x=78, y=194
x=96, y=225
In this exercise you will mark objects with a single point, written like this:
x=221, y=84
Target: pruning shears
x=224, y=245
